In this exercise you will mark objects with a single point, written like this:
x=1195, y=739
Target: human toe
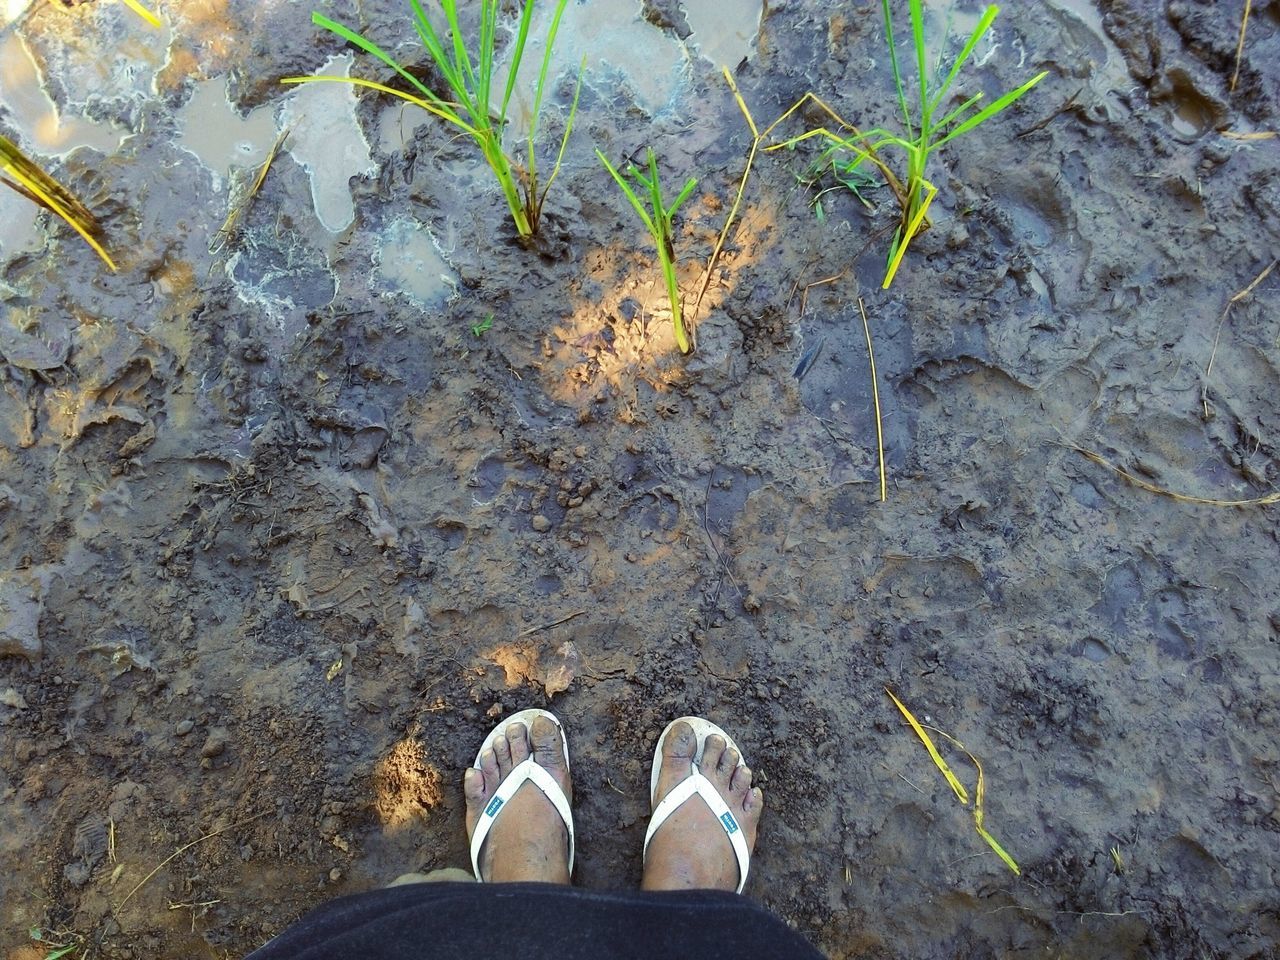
x=517, y=737
x=679, y=748
x=489, y=767
x=547, y=745
x=502, y=750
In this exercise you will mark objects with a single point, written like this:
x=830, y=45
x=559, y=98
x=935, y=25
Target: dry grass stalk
x=1244, y=25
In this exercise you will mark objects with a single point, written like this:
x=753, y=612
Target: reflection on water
x=221, y=138
x=410, y=261
x=31, y=117
x=35, y=117
x=623, y=50
x=328, y=142
x=724, y=31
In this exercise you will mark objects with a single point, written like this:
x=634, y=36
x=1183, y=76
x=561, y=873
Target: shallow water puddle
x=41, y=130
x=32, y=112
x=11, y=10
x=410, y=261
x=18, y=231
x=328, y=143
x=620, y=48
x=723, y=32
x=212, y=129
x=1110, y=72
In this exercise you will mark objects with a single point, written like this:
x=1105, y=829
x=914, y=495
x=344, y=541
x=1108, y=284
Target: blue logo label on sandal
x=730, y=824
x=494, y=806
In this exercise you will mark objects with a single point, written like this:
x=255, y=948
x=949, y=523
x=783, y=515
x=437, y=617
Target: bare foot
x=691, y=850
x=528, y=842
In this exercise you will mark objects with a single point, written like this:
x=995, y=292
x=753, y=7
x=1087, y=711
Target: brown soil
x=288, y=563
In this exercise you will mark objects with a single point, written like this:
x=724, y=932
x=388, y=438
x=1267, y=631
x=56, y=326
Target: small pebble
x=184, y=727
x=541, y=523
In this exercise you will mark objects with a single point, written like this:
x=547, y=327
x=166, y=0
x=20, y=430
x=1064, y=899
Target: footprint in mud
x=1170, y=617
x=487, y=480
x=1191, y=112
x=88, y=846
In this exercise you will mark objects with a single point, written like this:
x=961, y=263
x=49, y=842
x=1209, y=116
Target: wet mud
x=285, y=527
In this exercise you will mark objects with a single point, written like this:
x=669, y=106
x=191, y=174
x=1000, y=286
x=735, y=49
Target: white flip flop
x=697, y=785
x=526, y=770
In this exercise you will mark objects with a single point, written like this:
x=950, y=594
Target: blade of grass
x=989, y=111
x=144, y=13
x=911, y=231
x=237, y=212
x=875, y=396
x=185, y=847
x=522, y=36
x=47, y=192
x=488, y=35
x=564, y=141
x=979, y=810
x=443, y=113
x=542, y=75
x=737, y=200
x=368, y=46
x=958, y=111
x=1222, y=321
x=539, y=88
x=1102, y=461
x=917, y=41
x=461, y=59
x=988, y=17
x=897, y=72
x=1244, y=25
x=628, y=192
x=686, y=192
x=961, y=793
x=431, y=40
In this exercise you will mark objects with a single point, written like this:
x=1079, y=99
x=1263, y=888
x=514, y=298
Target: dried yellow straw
x=961, y=793
x=143, y=12
x=980, y=792
x=1172, y=495
x=875, y=396
x=38, y=186
x=1244, y=25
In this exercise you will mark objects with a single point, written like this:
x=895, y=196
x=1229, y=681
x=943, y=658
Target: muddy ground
x=282, y=535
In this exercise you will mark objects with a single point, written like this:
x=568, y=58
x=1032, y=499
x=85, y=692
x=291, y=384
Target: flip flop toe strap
x=525, y=771
x=697, y=785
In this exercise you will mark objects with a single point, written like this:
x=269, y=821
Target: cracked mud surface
x=282, y=537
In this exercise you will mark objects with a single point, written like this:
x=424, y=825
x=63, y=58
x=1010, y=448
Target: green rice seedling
x=467, y=103
x=40, y=188
x=928, y=126
x=657, y=219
